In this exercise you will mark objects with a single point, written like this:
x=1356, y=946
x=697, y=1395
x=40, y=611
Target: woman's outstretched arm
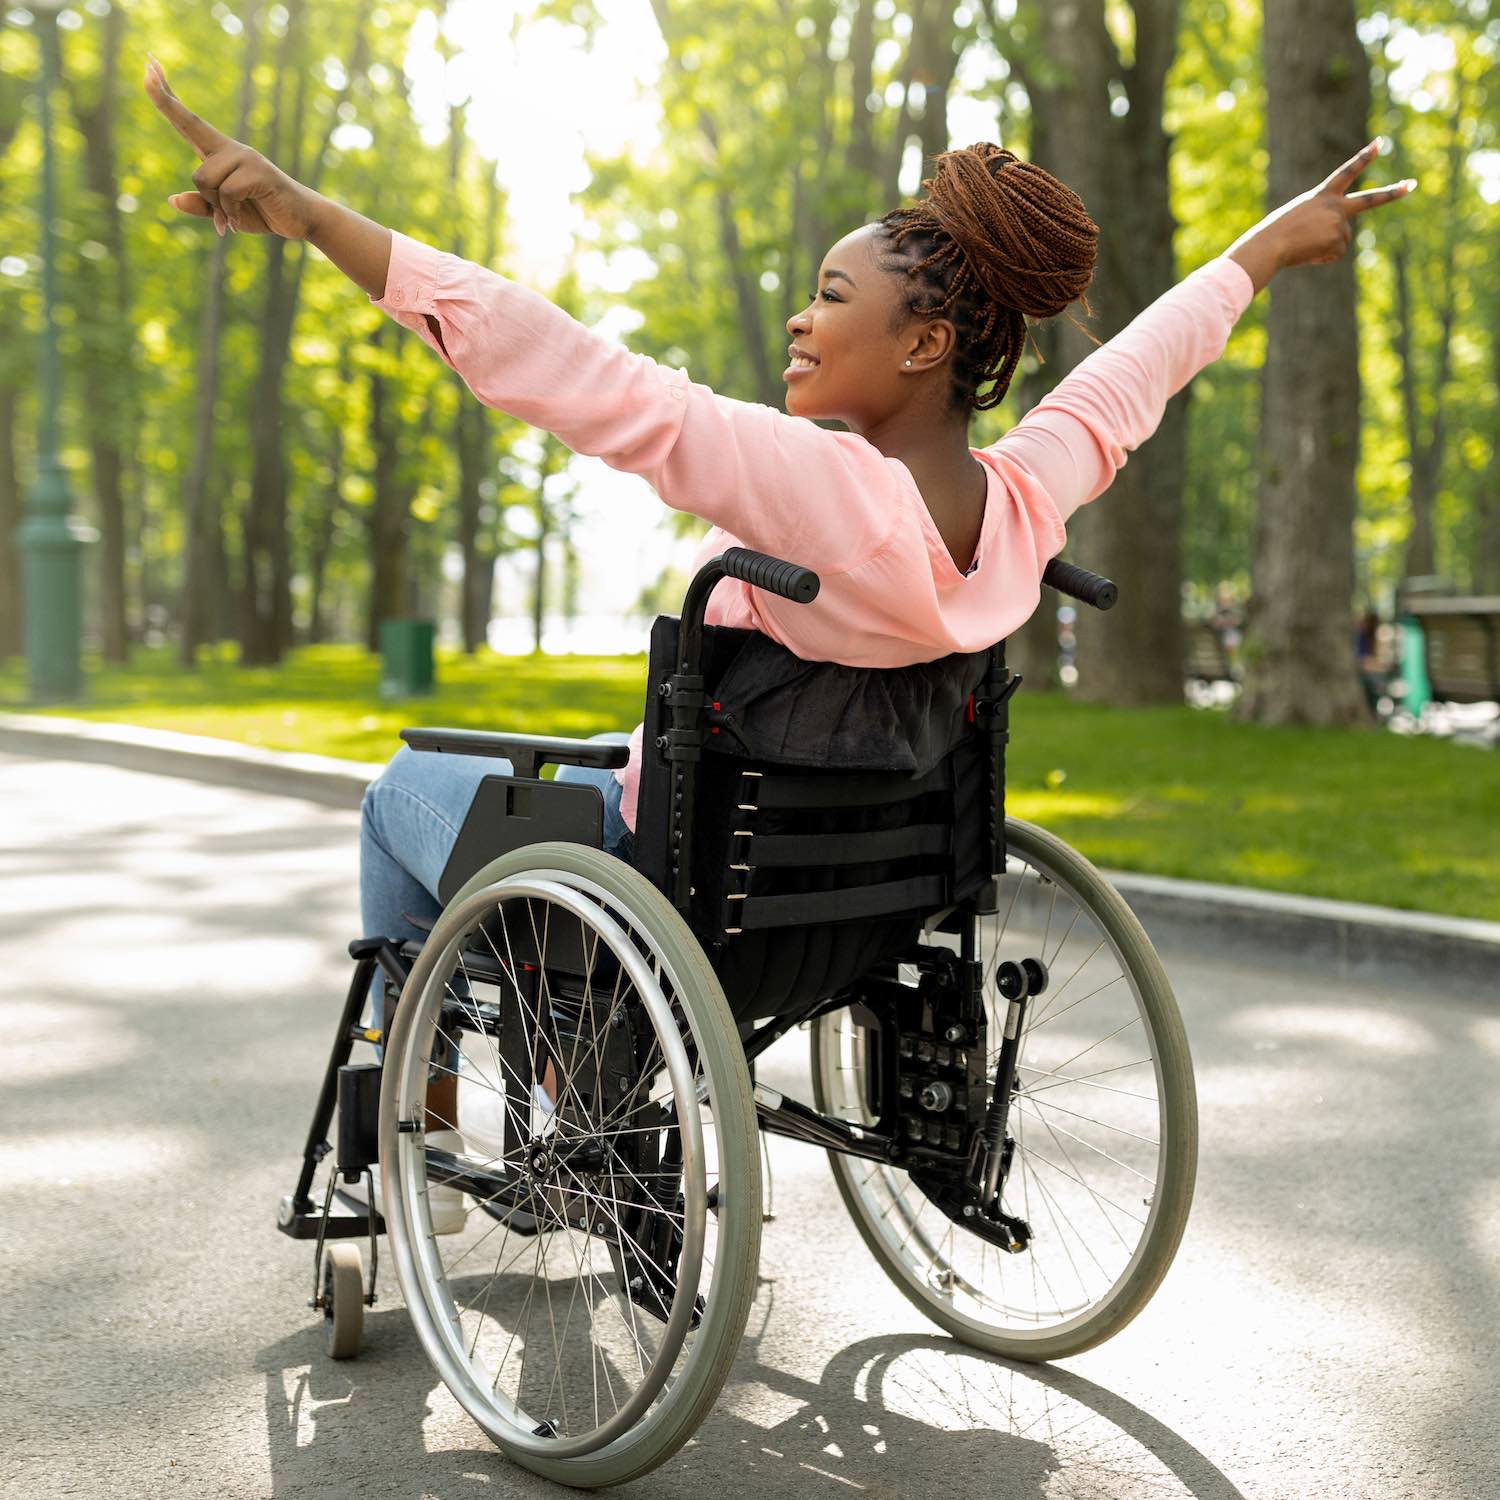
x=777, y=483
x=1074, y=441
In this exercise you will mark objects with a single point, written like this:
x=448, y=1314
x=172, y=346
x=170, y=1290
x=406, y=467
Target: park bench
x=1462, y=646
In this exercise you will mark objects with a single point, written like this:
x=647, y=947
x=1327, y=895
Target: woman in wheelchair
x=809, y=827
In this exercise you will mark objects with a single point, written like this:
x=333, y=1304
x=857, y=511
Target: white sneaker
x=446, y=1204
x=481, y=1111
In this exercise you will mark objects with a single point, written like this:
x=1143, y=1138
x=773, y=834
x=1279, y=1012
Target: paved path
x=172, y=957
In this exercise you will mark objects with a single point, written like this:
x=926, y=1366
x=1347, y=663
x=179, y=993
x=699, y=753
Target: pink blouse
x=891, y=593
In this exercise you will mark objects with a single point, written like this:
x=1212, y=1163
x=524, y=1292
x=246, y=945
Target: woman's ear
x=933, y=342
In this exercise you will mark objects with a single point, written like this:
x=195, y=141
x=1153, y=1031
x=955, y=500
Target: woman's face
x=845, y=363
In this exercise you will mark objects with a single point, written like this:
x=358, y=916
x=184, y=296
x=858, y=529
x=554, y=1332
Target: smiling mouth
x=801, y=365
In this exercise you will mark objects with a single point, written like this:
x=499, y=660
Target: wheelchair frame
x=682, y=746
x=928, y=1004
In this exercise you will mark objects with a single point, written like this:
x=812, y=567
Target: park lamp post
x=51, y=539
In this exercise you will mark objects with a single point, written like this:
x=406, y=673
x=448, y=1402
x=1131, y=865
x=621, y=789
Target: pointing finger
x=1344, y=178
x=1358, y=203
x=197, y=132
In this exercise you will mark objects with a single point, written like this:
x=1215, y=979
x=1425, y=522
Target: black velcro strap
x=846, y=790
x=783, y=850
x=922, y=893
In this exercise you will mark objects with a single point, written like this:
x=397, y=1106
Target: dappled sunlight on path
x=174, y=957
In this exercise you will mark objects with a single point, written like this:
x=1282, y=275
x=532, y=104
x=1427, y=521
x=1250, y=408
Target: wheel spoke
x=1088, y=1078
x=1145, y=1140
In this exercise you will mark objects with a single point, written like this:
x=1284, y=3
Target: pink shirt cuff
x=412, y=280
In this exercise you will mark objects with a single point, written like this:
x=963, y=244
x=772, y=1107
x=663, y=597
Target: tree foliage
x=336, y=462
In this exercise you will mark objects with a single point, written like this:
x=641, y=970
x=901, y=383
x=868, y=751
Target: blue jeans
x=409, y=822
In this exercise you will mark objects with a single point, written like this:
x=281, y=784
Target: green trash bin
x=405, y=658
x=1418, y=692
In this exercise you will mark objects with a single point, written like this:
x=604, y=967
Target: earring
x=908, y=361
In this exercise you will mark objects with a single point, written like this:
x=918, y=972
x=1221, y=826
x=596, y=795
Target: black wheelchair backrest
x=833, y=809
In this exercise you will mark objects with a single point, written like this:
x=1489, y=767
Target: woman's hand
x=1317, y=227
x=235, y=185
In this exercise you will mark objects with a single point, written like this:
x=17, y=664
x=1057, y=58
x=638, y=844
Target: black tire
x=1079, y=1282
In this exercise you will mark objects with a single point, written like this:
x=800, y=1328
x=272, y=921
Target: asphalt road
x=172, y=957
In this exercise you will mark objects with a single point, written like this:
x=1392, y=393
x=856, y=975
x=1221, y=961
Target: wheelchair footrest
x=298, y=1225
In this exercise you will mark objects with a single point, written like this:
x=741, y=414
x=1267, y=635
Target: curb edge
x=1352, y=939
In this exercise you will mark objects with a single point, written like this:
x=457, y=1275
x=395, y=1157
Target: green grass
x=1352, y=815
x=325, y=699
x=1355, y=815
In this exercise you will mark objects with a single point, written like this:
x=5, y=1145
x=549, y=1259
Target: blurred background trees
x=271, y=461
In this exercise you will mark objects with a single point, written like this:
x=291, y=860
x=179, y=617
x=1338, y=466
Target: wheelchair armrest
x=527, y=753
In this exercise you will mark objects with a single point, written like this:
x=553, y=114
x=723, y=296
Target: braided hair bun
x=994, y=241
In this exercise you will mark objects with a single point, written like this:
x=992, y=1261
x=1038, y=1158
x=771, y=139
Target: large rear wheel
x=1104, y=1119
x=588, y=1313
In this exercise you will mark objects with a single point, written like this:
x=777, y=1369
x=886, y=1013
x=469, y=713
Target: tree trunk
x=1417, y=562
x=471, y=439
x=108, y=386
x=554, y=461
x=388, y=510
x=1484, y=570
x=1118, y=166
x=267, y=582
x=14, y=367
x=265, y=579
x=317, y=563
x=10, y=519
x=572, y=570
x=813, y=212
x=12, y=109
x=1300, y=644
x=862, y=158
x=896, y=147
x=539, y=572
x=1425, y=447
x=747, y=294
x=204, y=591
x=940, y=60
x=320, y=543
x=1032, y=649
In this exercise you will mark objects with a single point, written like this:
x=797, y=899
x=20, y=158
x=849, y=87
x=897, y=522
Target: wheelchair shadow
x=897, y=1415
x=912, y=1415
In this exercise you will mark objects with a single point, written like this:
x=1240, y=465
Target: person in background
x=1367, y=652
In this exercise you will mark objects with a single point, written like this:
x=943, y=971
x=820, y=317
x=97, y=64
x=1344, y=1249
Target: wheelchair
x=1000, y=1076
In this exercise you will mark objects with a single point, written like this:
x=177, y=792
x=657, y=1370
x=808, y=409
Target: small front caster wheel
x=343, y=1301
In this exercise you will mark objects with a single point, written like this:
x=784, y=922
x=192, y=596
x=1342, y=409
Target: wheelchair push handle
x=761, y=571
x=1079, y=583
